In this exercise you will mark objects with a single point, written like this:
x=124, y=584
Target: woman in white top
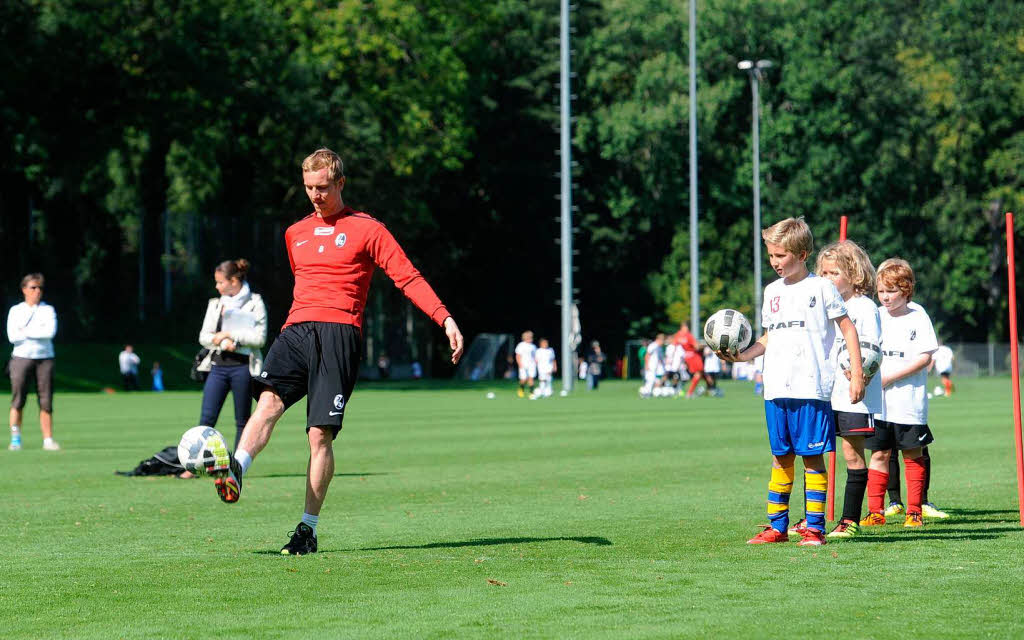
x=234, y=330
x=31, y=326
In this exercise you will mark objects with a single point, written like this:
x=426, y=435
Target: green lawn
x=597, y=515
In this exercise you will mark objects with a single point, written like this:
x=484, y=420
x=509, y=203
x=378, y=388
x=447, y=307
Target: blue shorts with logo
x=803, y=427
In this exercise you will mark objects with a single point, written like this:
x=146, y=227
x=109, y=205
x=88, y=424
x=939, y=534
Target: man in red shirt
x=333, y=253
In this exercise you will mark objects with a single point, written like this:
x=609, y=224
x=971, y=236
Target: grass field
x=599, y=515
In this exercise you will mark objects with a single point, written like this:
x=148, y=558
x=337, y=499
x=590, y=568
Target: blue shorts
x=803, y=427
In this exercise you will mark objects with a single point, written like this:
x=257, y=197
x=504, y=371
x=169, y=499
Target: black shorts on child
x=889, y=435
x=315, y=359
x=849, y=423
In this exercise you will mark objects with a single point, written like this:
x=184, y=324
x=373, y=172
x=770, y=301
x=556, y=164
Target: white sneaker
x=51, y=445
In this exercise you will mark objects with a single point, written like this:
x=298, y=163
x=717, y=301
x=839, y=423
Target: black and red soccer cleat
x=303, y=541
x=229, y=482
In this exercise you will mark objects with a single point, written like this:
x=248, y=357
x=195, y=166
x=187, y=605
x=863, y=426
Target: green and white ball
x=202, y=448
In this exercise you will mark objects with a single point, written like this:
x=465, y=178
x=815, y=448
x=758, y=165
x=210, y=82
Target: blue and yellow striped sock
x=779, y=488
x=817, y=485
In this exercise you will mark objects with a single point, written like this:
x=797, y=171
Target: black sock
x=856, y=485
x=894, y=477
x=926, y=460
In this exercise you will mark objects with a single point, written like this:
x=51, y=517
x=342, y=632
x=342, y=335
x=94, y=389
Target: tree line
x=142, y=142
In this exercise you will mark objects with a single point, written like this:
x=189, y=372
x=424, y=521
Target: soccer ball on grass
x=201, y=449
x=728, y=331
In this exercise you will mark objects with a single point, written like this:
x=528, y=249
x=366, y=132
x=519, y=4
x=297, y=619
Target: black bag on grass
x=163, y=463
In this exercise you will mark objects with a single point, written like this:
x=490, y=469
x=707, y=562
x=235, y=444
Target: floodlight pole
x=753, y=70
x=694, y=258
x=568, y=363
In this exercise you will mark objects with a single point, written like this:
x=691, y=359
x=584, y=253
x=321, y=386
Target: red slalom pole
x=1014, y=368
x=830, y=500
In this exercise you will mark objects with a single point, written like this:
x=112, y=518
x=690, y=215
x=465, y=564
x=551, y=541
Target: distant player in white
x=851, y=271
x=908, y=341
x=526, y=360
x=712, y=369
x=546, y=366
x=654, y=367
x=942, y=359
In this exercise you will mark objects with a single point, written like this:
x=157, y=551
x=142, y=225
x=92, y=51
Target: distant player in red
x=333, y=253
x=693, y=358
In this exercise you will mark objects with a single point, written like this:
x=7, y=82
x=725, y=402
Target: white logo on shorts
x=339, y=240
x=335, y=413
x=339, y=402
x=815, y=445
x=263, y=375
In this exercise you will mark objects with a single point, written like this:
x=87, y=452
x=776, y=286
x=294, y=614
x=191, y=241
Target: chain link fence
x=973, y=359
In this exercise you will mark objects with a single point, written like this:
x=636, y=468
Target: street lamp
x=753, y=70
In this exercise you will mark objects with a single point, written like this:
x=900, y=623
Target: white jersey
x=712, y=363
x=864, y=314
x=545, y=361
x=904, y=339
x=655, y=359
x=527, y=352
x=799, y=319
x=674, y=354
x=943, y=358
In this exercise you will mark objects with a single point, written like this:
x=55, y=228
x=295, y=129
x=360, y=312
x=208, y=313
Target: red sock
x=915, y=483
x=693, y=384
x=877, y=482
x=948, y=384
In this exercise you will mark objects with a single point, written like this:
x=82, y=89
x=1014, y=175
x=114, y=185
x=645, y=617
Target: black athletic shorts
x=889, y=435
x=849, y=424
x=315, y=359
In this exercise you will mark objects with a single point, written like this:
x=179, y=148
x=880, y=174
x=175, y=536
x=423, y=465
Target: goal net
x=490, y=355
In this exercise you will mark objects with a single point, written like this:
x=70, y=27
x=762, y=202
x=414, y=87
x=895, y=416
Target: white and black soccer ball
x=201, y=448
x=728, y=331
x=870, y=358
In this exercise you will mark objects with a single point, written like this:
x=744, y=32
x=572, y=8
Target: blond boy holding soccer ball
x=801, y=314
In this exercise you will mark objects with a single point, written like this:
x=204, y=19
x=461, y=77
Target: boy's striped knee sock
x=779, y=489
x=915, y=484
x=814, y=500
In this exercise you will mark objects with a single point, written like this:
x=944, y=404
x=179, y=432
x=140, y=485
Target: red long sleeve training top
x=333, y=259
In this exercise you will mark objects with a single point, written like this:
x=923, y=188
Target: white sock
x=311, y=520
x=47, y=440
x=244, y=459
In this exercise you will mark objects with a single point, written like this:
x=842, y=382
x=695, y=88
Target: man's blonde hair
x=853, y=263
x=792, y=234
x=896, y=273
x=325, y=159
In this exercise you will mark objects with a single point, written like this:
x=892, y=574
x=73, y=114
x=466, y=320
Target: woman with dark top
x=234, y=330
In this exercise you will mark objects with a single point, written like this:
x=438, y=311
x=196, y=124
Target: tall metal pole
x=753, y=69
x=568, y=362
x=694, y=258
x=757, y=206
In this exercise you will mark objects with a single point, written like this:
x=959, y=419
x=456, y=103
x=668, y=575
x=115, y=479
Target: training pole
x=830, y=500
x=1014, y=368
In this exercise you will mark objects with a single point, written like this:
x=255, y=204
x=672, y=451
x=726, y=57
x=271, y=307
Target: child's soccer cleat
x=798, y=528
x=769, y=535
x=51, y=445
x=873, y=520
x=15, y=442
x=303, y=541
x=929, y=510
x=811, y=538
x=229, y=483
x=913, y=520
x=521, y=393
x=894, y=509
x=845, y=529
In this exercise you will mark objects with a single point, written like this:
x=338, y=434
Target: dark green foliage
x=172, y=131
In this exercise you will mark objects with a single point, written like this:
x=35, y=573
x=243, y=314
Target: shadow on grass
x=966, y=513
x=477, y=542
x=302, y=475
x=944, y=533
x=488, y=542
